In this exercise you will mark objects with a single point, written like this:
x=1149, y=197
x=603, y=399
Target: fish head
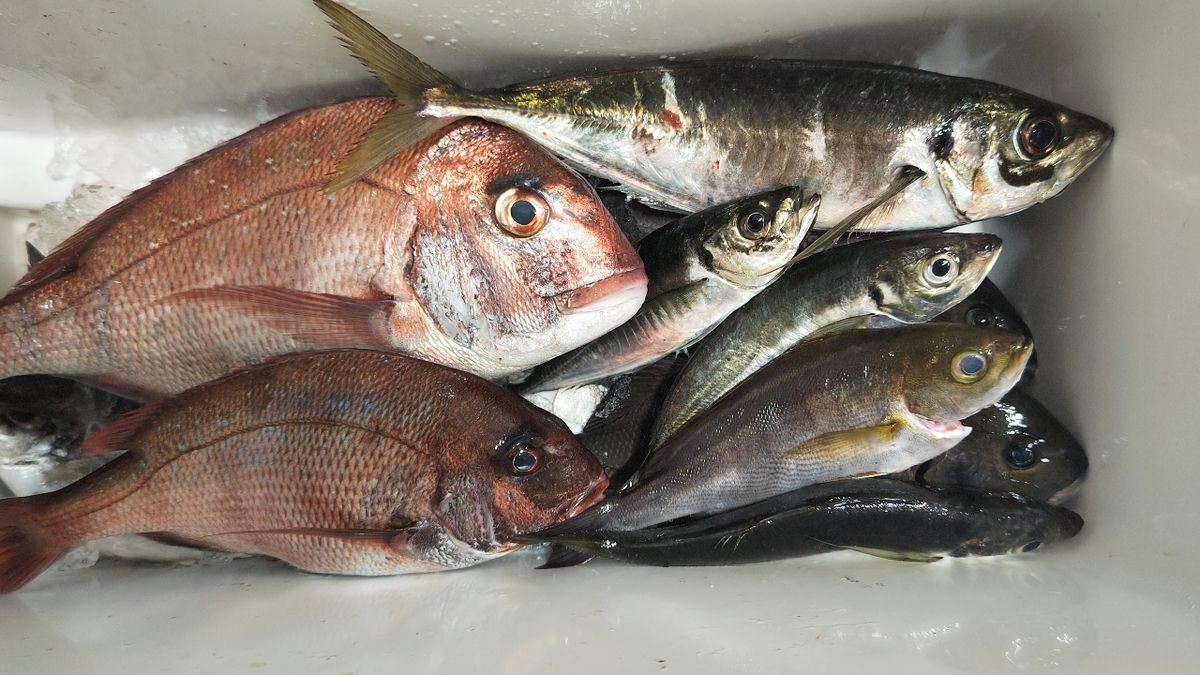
x=917, y=276
x=1016, y=445
x=987, y=306
x=950, y=371
x=1006, y=151
x=533, y=474
x=1014, y=524
x=748, y=242
x=512, y=253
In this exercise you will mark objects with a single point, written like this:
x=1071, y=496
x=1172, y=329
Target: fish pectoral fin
x=114, y=437
x=318, y=320
x=843, y=443
x=902, y=556
x=404, y=74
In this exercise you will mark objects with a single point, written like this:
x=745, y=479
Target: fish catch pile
x=319, y=341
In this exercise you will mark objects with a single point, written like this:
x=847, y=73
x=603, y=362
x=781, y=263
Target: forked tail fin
x=26, y=547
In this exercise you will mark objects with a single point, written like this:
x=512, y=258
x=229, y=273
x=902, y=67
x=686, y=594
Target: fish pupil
x=524, y=461
x=941, y=268
x=972, y=364
x=756, y=222
x=1031, y=546
x=1042, y=135
x=522, y=212
x=981, y=316
x=1018, y=455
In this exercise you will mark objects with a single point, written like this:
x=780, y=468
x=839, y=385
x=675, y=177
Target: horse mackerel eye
x=1039, y=137
x=941, y=267
x=754, y=224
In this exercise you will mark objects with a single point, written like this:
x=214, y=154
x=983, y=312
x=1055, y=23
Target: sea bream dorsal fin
x=405, y=75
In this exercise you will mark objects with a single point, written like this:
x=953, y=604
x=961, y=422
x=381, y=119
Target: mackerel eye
x=522, y=212
x=969, y=367
x=941, y=270
x=754, y=225
x=525, y=460
x=1038, y=136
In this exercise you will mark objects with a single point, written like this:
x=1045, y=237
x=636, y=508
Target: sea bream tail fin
x=26, y=548
x=404, y=74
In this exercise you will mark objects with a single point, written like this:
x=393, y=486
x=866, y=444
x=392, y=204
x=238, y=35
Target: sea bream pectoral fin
x=319, y=320
x=404, y=74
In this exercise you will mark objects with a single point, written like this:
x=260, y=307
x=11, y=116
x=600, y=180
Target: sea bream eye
x=1038, y=136
x=969, y=367
x=754, y=225
x=942, y=270
x=525, y=460
x=522, y=212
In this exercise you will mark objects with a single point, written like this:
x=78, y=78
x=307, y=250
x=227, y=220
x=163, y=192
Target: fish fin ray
x=33, y=254
x=408, y=78
x=396, y=130
x=320, y=320
x=24, y=547
x=113, y=437
x=898, y=555
x=842, y=443
x=564, y=556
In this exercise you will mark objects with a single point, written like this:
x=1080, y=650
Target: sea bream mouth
x=588, y=499
x=620, y=289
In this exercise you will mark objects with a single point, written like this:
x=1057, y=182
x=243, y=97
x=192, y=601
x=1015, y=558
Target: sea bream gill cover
x=310, y=342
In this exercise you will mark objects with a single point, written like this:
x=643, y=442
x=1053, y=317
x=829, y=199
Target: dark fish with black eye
x=882, y=517
x=909, y=277
x=690, y=135
x=1016, y=445
x=701, y=268
x=987, y=306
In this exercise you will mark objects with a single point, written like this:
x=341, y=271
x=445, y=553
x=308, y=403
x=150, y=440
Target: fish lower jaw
x=939, y=428
x=624, y=289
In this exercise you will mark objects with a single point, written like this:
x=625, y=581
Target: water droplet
x=496, y=22
x=633, y=29
x=535, y=44
x=429, y=38
x=458, y=24
x=397, y=35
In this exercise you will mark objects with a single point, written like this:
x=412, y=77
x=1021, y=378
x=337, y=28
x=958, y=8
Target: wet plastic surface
x=97, y=99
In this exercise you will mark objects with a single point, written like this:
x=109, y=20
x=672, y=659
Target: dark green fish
x=909, y=277
x=882, y=517
x=690, y=135
x=701, y=268
x=1016, y=445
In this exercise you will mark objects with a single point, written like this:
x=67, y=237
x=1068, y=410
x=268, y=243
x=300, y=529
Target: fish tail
x=410, y=80
x=26, y=546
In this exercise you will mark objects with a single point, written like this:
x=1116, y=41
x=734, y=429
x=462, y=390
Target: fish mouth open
x=941, y=428
x=608, y=293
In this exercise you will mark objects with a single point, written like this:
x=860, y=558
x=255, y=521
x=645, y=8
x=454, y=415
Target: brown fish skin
x=240, y=254
x=344, y=462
